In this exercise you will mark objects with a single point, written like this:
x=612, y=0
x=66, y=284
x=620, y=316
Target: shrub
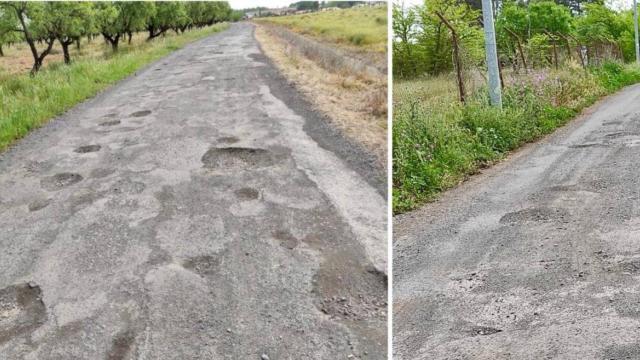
x=438, y=142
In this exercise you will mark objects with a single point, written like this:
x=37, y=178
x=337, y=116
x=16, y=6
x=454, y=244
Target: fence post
x=635, y=25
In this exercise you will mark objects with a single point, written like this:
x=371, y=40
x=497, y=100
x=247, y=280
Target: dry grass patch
x=18, y=59
x=359, y=29
x=355, y=103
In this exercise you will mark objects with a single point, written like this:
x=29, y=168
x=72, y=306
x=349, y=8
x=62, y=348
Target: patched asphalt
x=536, y=258
x=197, y=210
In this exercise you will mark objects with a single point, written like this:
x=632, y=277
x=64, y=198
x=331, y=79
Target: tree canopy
x=67, y=21
x=538, y=33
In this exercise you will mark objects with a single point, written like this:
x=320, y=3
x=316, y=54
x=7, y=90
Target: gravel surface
x=197, y=210
x=536, y=258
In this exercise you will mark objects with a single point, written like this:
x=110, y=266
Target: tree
x=554, y=20
x=204, y=13
x=236, y=15
x=165, y=16
x=134, y=16
x=512, y=24
x=119, y=18
x=600, y=28
x=306, y=5
x=404, y=21
x=67, y=22
x=107, y=22
x=32, y=20
x=8, y=28
x=217, y=11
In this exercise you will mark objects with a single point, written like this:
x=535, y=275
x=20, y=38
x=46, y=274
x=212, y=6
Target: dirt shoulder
x=350, y=92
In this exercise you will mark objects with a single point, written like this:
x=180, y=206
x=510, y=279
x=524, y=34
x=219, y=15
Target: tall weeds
x=437, y=142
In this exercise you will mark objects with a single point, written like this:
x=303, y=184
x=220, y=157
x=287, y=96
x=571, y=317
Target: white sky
x=245, y=4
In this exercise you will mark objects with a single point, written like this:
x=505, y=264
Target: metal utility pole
x=495, y=90
x=635, y=25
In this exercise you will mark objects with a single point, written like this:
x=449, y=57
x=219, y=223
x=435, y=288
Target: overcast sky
x=245, y=4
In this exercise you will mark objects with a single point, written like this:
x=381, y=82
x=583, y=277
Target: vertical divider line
x=389, y=182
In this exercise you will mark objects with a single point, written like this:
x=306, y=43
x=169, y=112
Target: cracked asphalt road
x=197, y=210
x=536, y=258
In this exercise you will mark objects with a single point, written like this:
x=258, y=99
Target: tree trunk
x=520, y=51
x=1, y=51
x=113, y=40
x=78, y=43
x=37, y=64
x=500, y=73
x=130, y=36
x=580, y=55
x=568, y=45
x=153, y=34
x=65, y=51
x=456, y=57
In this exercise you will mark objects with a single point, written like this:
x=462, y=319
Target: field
x=437, y=142
x=27, y=102
x=354, y=100
x=355, y=28
x=18, y=60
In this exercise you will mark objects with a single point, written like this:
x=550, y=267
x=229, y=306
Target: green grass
x=437, y=142
x=27, y=102
x=362, y=28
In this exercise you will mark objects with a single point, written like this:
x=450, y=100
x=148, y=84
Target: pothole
x=59, y=181
x=101, y=172
x=237, y=158
x=483, y=330
x=141, y=113
x=228, y=139
x=203, y=265
x=121, y=345
x=562, y=188
x=128, y=186
x=286, y=239
x=616, y=135
x=110, y=123
x=39, y=204
x=247, y=193
x=581, y=146
x=622, y=352
x=21, y=310
x=158, y=256
x=87, y=149
x=533, y=214
x=349, y=290
x=630, y=266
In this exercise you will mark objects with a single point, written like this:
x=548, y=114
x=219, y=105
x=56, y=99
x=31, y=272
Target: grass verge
x=437, y=142
x=27, y=102
x=356, y=28
x=355, y=103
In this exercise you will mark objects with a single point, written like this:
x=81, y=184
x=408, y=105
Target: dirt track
x=537, y=258
x=198, y=210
